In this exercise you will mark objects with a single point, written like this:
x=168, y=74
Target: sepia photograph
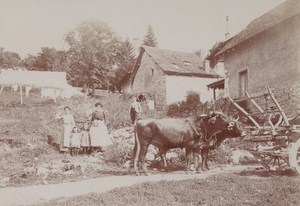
x=149, y=102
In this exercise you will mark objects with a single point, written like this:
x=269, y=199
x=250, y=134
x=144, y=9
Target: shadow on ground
x=262, y=172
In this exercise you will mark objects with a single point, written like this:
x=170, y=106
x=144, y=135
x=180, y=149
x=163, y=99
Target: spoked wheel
x=294, y=156
x=272, y=162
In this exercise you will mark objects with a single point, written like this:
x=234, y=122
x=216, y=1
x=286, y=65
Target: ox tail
x=137, y=150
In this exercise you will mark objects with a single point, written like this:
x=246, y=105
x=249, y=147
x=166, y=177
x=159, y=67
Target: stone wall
x=151, y=79
x=270, y=58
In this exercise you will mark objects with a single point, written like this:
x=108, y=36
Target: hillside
x=25, y=155
x=28, y=157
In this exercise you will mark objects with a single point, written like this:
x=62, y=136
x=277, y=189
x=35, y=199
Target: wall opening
x=243, y=83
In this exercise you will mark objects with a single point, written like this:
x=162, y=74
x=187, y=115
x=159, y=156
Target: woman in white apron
x=98, y=132
x=69, y=124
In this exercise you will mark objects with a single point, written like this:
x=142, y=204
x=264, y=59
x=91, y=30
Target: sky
x=182, y=25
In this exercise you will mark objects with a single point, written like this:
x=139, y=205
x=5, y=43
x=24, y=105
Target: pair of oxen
x=197, y=134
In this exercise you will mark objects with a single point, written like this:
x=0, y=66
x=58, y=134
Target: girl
x=69, y=123
x=85, y=139
x=75, y=141
x=98, y=131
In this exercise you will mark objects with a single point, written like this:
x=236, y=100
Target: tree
x=29, y=62
x=9, y=59
x=126, y=60
x=45, y=59
x=93, y=54
x=149, y=39
x=49, y=59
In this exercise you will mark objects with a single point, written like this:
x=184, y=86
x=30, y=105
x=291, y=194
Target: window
x=243, y=83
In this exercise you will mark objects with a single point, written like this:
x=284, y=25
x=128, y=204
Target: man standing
x=135, y=110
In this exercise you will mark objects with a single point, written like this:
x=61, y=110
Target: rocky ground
x=29, y=160
x=114, y=161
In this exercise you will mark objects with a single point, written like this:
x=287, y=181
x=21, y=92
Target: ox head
x=219, y=121
x=235, y=128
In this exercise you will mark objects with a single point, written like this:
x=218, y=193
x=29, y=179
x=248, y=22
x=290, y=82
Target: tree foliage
x=126, y=60
x=186, y=108
x=93, y=54
x=49, y=59
x=9, y=59
x=149, y=39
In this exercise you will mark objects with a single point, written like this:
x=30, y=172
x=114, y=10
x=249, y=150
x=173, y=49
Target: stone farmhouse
x=166, y=76
x=266, y=52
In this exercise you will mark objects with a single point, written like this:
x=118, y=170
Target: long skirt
x=75, y=140
x=99, y=135
x=85, y=139
x=65, y=141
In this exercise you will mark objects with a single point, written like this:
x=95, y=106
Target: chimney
x=206, y=65
x=227, y=33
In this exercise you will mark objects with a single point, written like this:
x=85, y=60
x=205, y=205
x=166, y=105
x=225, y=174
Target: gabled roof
x=175, y=63
x=216, y=48
x=279, y=14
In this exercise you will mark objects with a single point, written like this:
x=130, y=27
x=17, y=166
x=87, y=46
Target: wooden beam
x=245, y=113
x=285, y=119
x=255, y=104
x=21, y=94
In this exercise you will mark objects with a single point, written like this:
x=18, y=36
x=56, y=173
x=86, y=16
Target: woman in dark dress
x=98, y=132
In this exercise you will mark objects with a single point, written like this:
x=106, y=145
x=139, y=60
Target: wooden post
x=245, y=113
x=286, y=121
x=1, y=89
x=21, y=94
x=255, y=104
x=54, y=95
x=214, y=94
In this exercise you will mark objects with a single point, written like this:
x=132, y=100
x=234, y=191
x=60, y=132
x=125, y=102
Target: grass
x=24, y=131
x=216, y=190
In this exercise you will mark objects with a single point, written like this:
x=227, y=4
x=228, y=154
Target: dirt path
x=42, y=193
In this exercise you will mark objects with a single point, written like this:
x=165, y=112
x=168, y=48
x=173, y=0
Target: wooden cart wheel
x=273, y=162
x=294, y=156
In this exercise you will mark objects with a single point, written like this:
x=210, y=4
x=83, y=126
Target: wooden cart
x=281, y=137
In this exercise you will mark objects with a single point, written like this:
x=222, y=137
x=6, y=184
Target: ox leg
x=202, y=158
x=133, y=155
x=136, y=152
x=188, y=153
x=164, y=159
x=162, y=154
x=143, y=153
x=206, y=159
x=204, y=155
x=196, y=161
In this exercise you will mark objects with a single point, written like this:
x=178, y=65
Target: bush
x=185, y=108
x=118, y=153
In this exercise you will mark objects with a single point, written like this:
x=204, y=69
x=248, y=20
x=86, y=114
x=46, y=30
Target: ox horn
x=236, y=119
x=223, y=114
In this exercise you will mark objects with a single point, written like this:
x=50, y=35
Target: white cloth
x=99, y=135
x=69, y=124
x=85, y=139
x=75, y=140
x=67, y=135
x=27, y=90
x=137, y=107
